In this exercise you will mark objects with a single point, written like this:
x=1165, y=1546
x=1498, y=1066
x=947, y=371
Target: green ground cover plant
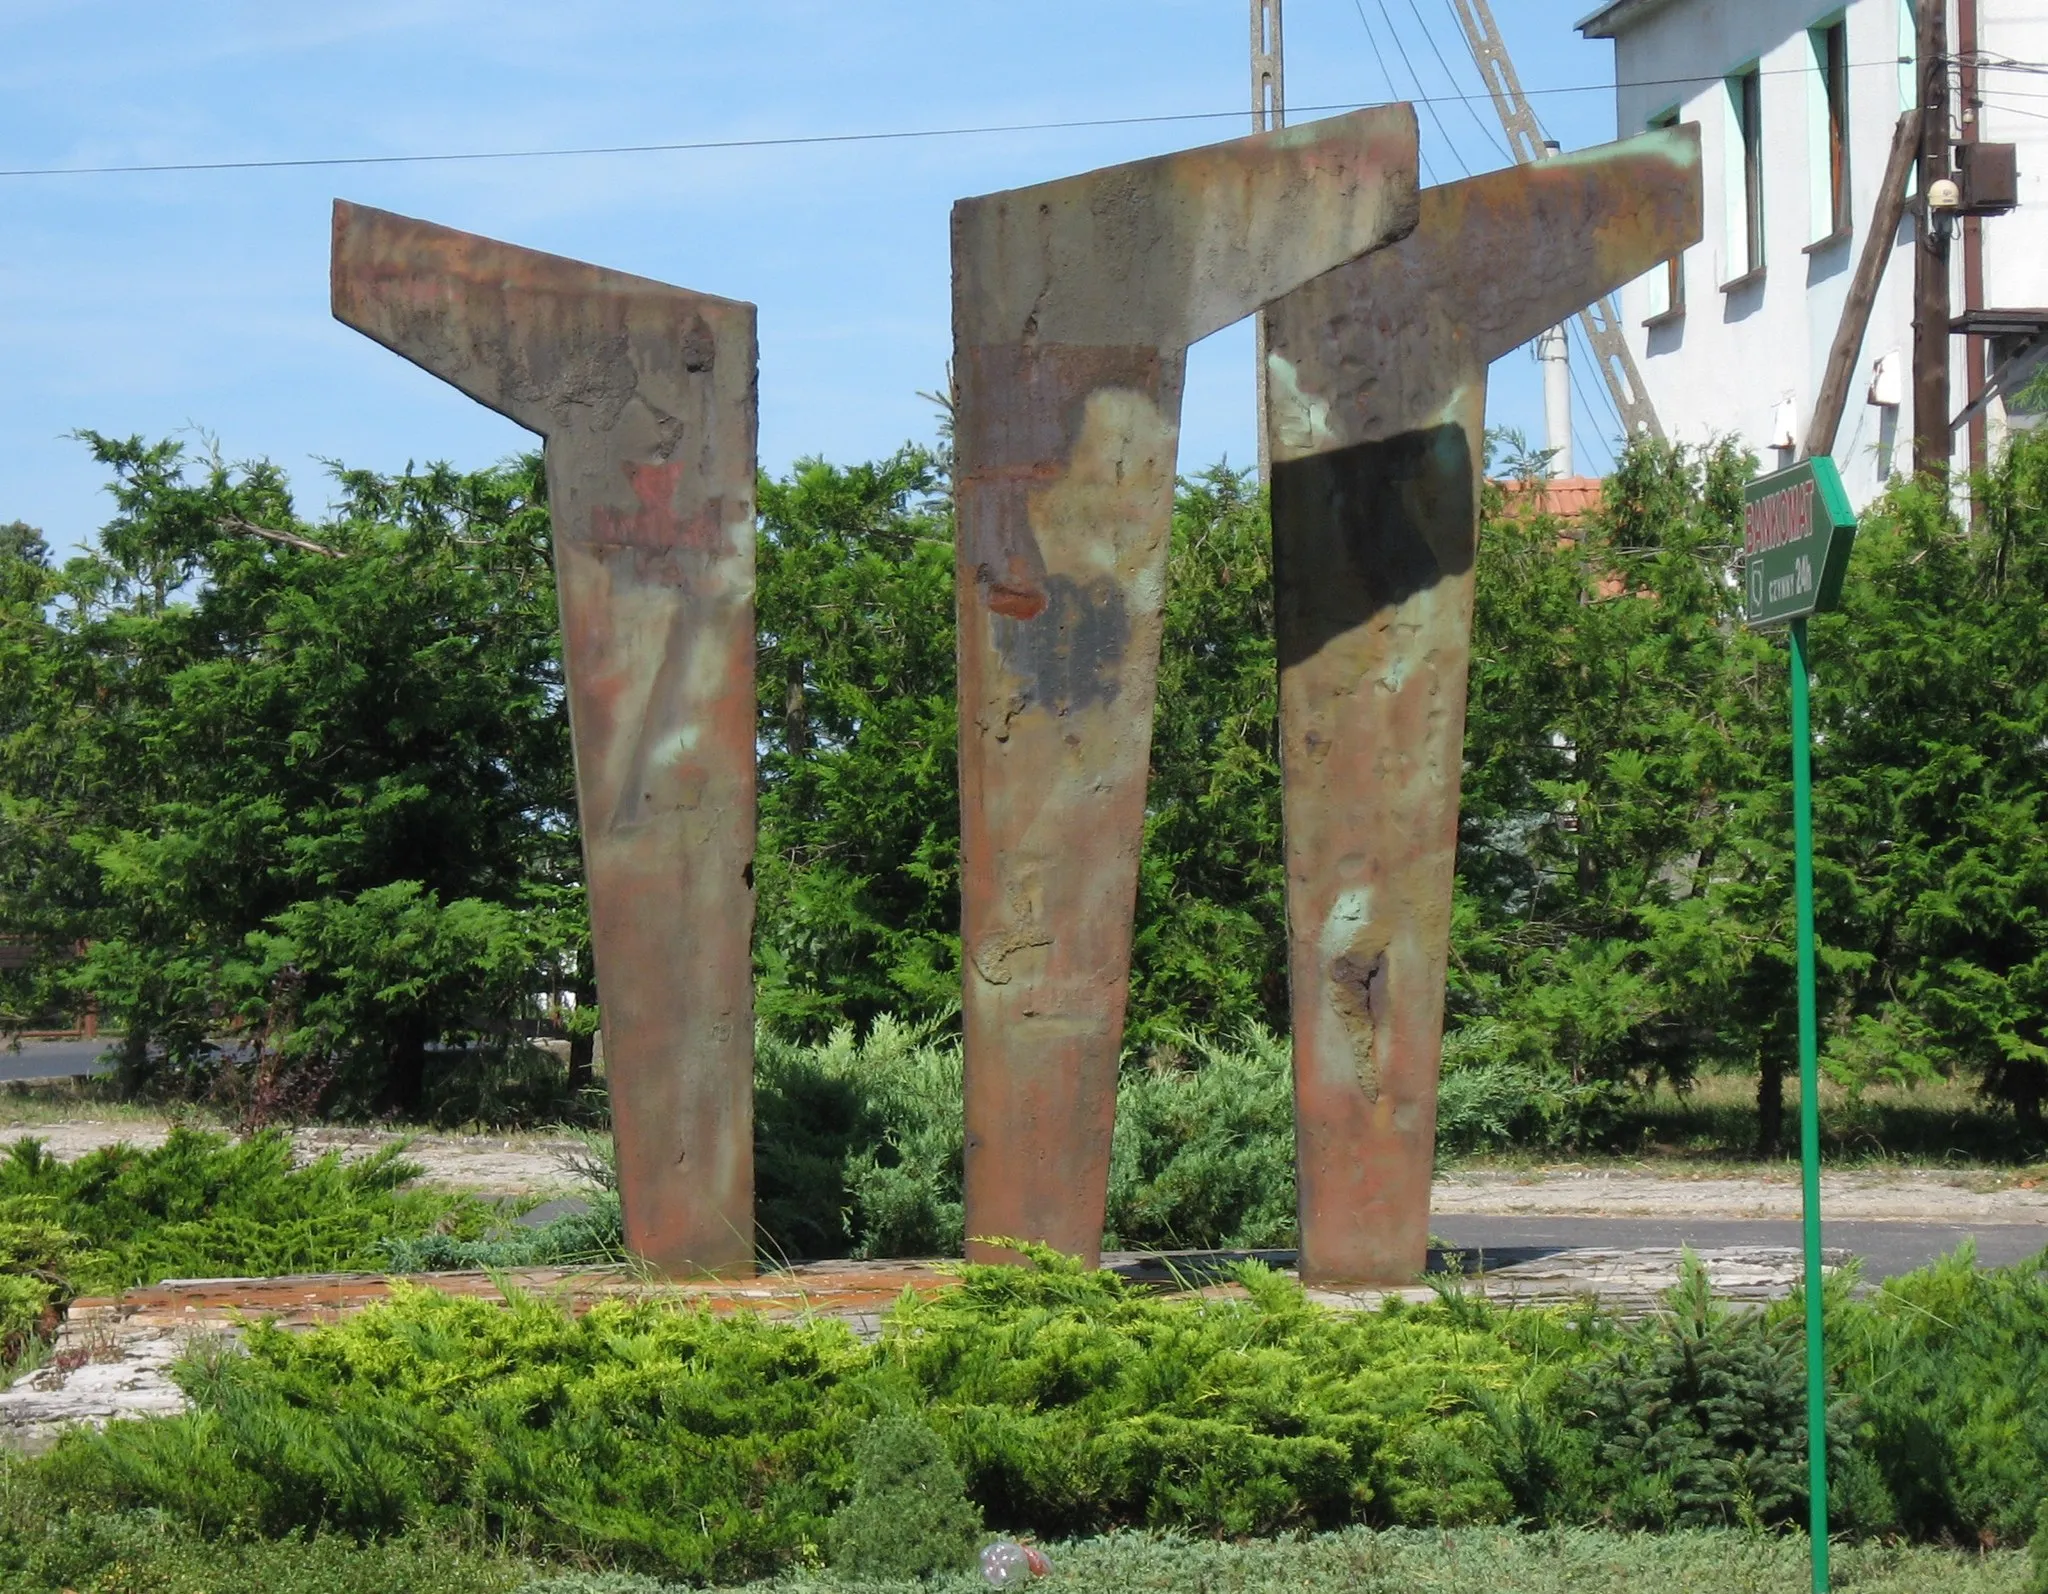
x=646, y=1438
x=136, y=1555
x=201, y=1206
x=858, y=1154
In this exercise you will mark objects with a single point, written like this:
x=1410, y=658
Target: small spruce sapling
x=909, y=1515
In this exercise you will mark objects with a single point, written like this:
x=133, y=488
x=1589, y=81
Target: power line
x=2011, y=110
x=1595, y=427
x=1416, y=78
x=1593, y=358
x=1387, y=75
x=1451, y=77
x=804, y=139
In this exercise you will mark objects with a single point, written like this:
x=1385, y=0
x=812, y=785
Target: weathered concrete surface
x=646, y=396
x=1376, y=407
x=1073, y=306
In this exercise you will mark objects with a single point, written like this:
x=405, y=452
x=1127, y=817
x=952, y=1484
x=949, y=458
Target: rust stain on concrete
x=645, y=394
x=1375, y=418
x=1074, y=303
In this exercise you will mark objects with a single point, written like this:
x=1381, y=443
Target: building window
x=1744, y=166
x=1666, y=282
x=1828, y=121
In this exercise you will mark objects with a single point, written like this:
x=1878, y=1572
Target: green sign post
x=1797, y=532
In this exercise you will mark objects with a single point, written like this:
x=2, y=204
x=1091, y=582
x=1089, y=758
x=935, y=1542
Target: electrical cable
x=804, y=139
x=1416, y=78
x=1387, y=76
x=1485, y=131
x=2011, y=110
x=1575, y=351
x=1595, y=427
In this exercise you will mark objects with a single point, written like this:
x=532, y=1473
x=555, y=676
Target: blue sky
x=195, y=303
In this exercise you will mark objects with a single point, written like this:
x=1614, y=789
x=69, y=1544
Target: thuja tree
x=305, y=778
x=858, y=870
x=1621, y=877
x=1625, y=872
x=1932, y=696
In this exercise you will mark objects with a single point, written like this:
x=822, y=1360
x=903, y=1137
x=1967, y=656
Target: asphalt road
x=56, y=1059
x=1887, y=1249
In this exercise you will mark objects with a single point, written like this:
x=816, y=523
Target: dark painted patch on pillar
x=1376, y=406
x=1073, y=305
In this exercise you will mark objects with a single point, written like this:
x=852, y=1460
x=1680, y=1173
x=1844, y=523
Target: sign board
x=1797, y=529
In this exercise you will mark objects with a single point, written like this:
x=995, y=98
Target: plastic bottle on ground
x=1008, y=1564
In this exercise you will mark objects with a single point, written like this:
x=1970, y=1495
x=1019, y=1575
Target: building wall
x=1748, y=360
x=2015, y=245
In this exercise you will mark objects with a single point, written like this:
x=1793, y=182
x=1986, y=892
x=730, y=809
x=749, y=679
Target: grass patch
x=33, y=1103
x=1941, y=1123
x=48, y=1548
x=1406, y=1561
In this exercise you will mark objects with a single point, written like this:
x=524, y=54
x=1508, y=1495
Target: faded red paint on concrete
x=826, y=1289
x=1376, y=384
x=645, y=394
x=1073, y=306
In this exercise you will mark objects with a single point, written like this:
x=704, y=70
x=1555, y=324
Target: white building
x=1796, y=102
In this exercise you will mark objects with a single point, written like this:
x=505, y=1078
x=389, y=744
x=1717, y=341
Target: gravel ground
x=532, y=1164
x=491, y=1164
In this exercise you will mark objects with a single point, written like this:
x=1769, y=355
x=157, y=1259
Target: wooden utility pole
x=1269, y=112
x=1932, y=440
x=1974, y=361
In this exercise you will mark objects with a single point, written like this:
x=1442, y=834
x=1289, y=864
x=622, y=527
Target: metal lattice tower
x=1269, y=112
x=1269, y=92
x=1601, y=319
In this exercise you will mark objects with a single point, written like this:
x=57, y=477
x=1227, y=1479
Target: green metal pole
x=1809, y=1107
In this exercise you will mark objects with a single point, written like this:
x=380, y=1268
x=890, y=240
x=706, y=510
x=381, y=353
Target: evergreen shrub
x=646, y=1438
x=1700, y=1415
x=653, y=1439
x=200, y=1206
x=909, y=1516
x=52, y=1545
x=1949, y=1370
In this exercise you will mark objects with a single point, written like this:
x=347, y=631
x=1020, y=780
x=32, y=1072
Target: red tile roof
x=1567, y=497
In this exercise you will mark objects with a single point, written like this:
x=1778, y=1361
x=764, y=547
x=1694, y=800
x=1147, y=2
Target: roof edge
x=1612, y=18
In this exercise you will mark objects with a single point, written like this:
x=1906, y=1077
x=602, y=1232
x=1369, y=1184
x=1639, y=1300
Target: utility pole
x=1601, y=319
x=1933, y=442
x=1974, y=362
x=1269, y=113
x=1554, y=354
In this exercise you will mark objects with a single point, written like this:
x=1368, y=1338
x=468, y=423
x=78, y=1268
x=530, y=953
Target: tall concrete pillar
x=1376, y=416
x=1074, y=303
x=645, y=394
